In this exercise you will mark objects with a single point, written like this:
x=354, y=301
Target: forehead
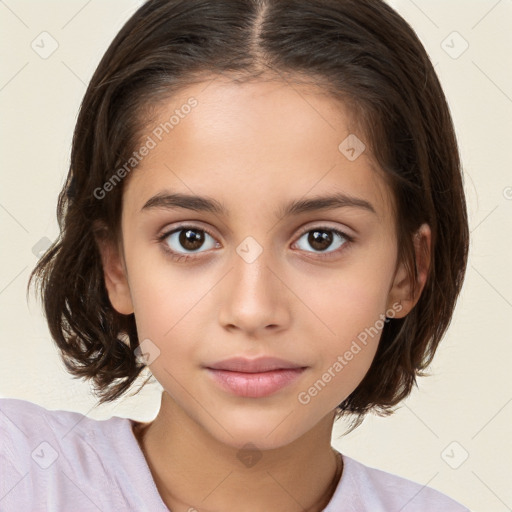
x=264, y=142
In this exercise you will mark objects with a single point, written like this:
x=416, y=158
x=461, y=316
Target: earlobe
x=402, y=291
x=114, y=272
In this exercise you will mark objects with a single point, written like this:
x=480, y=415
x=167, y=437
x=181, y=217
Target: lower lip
x=255, y=385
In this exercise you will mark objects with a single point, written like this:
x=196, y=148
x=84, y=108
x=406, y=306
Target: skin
x=254, y=147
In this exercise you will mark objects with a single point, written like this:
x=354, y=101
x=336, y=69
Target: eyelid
x=328, y=255
x=325, y=225
x=165, y=233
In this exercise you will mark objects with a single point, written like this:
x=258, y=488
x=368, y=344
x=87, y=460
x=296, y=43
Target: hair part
x=360, y=52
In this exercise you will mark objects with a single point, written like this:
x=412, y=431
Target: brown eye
x=321, y=239
x=187, y=238
x=191, y=239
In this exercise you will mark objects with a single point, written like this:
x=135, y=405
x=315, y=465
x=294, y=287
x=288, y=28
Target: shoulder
x=23, y=424
x=15, y=413
x=363, y=487
x=53, y=452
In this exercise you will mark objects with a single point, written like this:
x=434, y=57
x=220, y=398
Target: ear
x=402, y=288
x=114, y=271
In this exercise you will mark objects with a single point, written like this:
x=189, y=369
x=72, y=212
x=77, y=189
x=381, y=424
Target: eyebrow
x=174, y=201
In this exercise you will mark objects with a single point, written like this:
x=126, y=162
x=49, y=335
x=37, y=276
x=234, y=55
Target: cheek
x=346, y=301
x=164, y=304
x=337, y=312
x=348, y=309
x=171, y=306
x=161, y=291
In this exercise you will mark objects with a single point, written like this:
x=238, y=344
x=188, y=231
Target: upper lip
x=260, y=364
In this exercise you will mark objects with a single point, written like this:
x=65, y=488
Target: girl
x=265, y=207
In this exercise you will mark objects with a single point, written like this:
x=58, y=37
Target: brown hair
x=360, y=51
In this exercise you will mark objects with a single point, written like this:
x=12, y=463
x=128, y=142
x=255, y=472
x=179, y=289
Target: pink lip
x=254, y=378
x=255, y=385
x=260, y=364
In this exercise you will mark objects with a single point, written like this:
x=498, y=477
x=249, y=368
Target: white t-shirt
x=65, y=461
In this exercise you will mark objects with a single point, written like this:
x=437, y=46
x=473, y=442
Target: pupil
x=191, y=239
x=320, y=239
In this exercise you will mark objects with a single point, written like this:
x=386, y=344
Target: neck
x=193, y=470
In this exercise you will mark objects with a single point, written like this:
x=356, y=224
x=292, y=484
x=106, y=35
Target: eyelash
x=185, y=257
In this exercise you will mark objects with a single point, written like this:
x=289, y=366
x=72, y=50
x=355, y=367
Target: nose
x=254, y=296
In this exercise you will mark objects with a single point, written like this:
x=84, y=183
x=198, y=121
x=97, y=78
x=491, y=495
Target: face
x=241, y=274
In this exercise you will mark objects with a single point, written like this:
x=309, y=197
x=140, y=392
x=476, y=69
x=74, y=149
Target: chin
x=266, y=431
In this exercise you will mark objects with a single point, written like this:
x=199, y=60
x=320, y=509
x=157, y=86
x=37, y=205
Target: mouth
x=258, y=365
x=254, y=378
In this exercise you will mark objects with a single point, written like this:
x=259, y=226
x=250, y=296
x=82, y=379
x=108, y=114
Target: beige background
x=463, y=409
